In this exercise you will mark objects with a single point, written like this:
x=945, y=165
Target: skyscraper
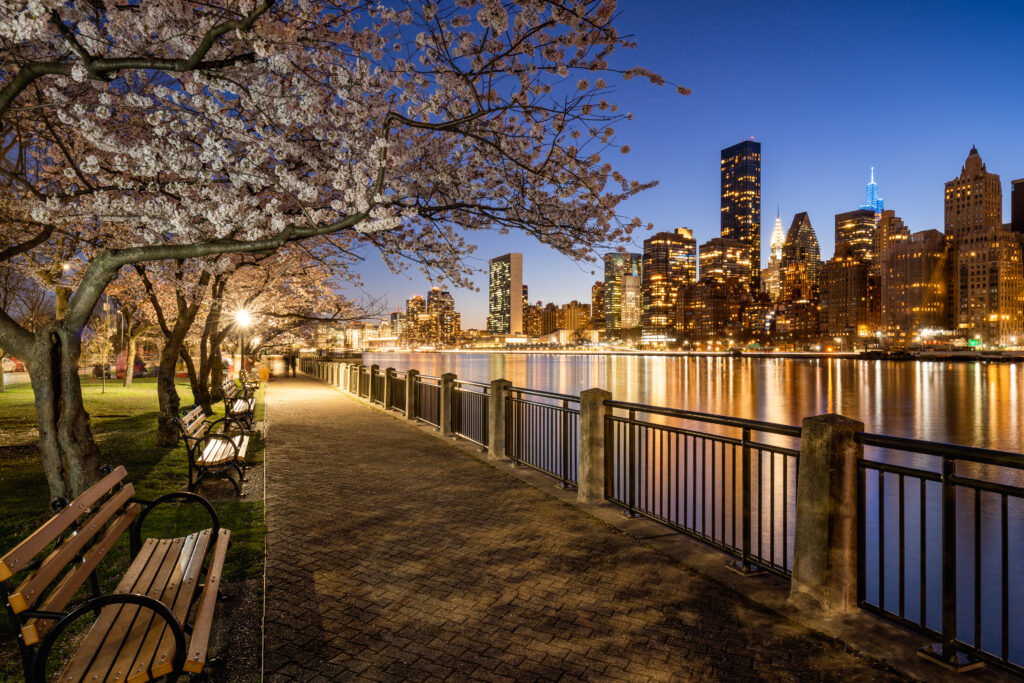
x=724, y=259
x=741, y=203
x=505, y=294
x=446, y=321
x=770, y=277
x=857, y=229
x=632, y=302
x=988, y=278
x=1017, y=206
x=597, y=304
x=669, y=264
x=871, y=199
x=616, y=266
x=800, y=273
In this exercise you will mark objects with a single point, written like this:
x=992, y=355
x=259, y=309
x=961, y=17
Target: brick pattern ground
x=392, y=555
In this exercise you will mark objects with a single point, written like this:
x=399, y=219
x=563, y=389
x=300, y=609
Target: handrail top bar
x=984, y=456
x=546, y=394
x=436, y=379
x=472, y=384
x=742, y=423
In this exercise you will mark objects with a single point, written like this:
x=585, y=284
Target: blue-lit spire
x=872, y=201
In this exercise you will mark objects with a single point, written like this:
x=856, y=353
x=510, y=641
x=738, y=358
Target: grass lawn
x=124, y=425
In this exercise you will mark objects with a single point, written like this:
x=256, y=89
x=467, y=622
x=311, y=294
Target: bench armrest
x=227, y=419
x=135, y=534
x=202, y=623
x=97, y=603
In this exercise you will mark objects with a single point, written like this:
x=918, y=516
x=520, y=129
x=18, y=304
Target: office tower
x=741, y=204
x=632, y=302
x=597, y=304
x=857, y=229
x=549, y=319
x=446, y=322
x=845, y=298
x=914, y=287
x=871, y=201
x=889, y=233
x=770, y=277
x=724, y=259
x=533, y=320
x=573, y=316
x=669, y=264
x=616, y=266
x=797, y=319
x=1017, y=206
x=987, y=297
x=505, y=293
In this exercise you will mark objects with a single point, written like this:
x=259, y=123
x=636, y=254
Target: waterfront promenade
x=392, y=554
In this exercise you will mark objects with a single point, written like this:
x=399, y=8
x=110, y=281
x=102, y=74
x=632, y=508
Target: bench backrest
x=193, y=424
x=229, y=389
x=74, y=540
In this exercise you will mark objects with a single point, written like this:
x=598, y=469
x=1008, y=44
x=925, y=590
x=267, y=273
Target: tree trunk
x=129, y=361
x=200, y=391
x=216, y=371
x=3, y=377
x=167, y=432
x=71, y=459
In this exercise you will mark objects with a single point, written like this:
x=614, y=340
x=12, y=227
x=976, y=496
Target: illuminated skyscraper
x=597, y=303
x=616, y=266
x=871, y=200
x=741, y=204
x=722, y=260
x=856, y=229
x=632, y=302
x=770, y=277
x=505, y=293
x=669, y=264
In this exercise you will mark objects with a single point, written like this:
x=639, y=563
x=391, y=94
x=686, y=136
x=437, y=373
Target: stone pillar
x=825, y=541
x=410, y=393
x=496, y=421
x=445, y=409
x=592, y=466
x=389, y=376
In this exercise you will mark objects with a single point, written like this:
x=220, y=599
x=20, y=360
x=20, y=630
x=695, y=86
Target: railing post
x=592, y=445
x=411, y=379
x=444, y=410
x=374, y=371
x=744, y=565
x=825, y=541
x=565, y=483
x=389, y=378
x=631, y=435
x=496, y=423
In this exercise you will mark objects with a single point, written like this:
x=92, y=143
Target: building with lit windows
x=770, y=275
x=632, y=303
x=669, y=265
x=914, y=297
x=573, y=316
x=987, y=287
x=871, y=200
x=856, y=229
x=446, y=320
x=741, y=204
x=723, y=259
x=845, y=298
x=505, y=295
x=618, y=265
x=890, y=232
x=597, y=304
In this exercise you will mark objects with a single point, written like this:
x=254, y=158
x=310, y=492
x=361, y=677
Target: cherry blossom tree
x=180, y=131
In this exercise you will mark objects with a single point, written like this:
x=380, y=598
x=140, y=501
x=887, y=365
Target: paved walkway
x=392, y=555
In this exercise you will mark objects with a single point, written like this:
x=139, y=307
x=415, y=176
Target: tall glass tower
x=741, y=204
x=871, y=200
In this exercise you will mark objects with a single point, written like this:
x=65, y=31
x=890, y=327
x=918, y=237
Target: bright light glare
x=243, y=318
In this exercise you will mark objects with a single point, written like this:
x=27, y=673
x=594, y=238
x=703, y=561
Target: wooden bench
x=210, y=452
x=158, y=620
x=250, y=384
x=238, y=404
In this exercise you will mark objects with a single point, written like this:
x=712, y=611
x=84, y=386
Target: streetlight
x=242, y=318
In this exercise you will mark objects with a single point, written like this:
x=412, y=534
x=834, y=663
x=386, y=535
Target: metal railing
x=470, y=411
x=364, y=382
x=428, y=400
x=377, y=396
x=396, y=392
x=733, y=492
x=542, y=432
x=940, y=545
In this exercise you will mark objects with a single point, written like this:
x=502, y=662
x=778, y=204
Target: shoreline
x=1015, y=357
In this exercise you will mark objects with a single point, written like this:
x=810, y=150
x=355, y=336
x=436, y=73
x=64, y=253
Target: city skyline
x=816, y=157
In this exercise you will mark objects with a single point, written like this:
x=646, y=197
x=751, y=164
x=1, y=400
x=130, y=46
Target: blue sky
x=829, y=91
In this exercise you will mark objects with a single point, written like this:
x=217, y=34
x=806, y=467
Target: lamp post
x=242, y=318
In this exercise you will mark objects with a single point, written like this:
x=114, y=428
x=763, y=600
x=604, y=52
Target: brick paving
x=392, y=555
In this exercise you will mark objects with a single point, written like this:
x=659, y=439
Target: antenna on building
x=872, y=174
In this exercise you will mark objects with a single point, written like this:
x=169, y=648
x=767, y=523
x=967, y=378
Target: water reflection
x=968, y=403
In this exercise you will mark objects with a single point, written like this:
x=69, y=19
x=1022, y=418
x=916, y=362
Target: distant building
x=722, y=259
x=669, y=265
x=632, y=302
x=914, y=297
x=597, y=304
x=890, y=232
x=797, y=319
x=616, y=266
x=446, y=322
x=988, y=277
x=857, y=230
x=871, y=200
x=573, y=316
x=548, y=319
x=533, y=320
x=845, y=298
x=771, y=282
x=505, y=295
x=741, y=204
x=1017, y=206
